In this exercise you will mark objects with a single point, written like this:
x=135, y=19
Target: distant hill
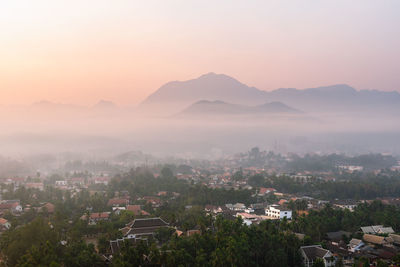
x=205, y=107
x=338, y=98
x=174, y=96
x=103, y=104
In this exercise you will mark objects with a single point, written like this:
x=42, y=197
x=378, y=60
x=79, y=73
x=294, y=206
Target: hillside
x=205, y=107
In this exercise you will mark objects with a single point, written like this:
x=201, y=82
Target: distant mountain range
x=205, y=107
x=175, y=96
x=51, y=106
x=222, y=94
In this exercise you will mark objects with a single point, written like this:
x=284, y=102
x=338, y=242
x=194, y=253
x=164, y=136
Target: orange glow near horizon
x=123, y=51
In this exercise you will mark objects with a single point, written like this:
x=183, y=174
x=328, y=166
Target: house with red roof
x=264, y=191
x=118, y=202
x=137, y=210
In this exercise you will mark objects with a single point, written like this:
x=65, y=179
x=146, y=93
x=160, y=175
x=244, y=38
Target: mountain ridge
x=174, y=96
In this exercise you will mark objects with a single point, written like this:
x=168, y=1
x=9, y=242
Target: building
x=337, y=236
x=39, y=186
x=101, y=180
x=395, y=238
x=378, y=240
x=116, y=245
x=118, y=210
x=95, y=217
x=311, y=253
x=350, y=168
x=386, y=230
x=61, y=183
x=118, y=202
x=193, y=232
x=213, y=209
x=154, y=201
x=377, y=229
x=345, y=204
x=48, y=207
x=4, y=224
x=137, y=210
x=355, y=245
x=77, y=181
x=12, y=206
x=278, y=213
x=236, y=207
x=264, y=191
x=143, y=228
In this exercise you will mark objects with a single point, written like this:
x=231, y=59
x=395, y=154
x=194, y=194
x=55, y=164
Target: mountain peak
x=210, y=74
x=175, y=95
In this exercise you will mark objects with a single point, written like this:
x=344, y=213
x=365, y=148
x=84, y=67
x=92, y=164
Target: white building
x=278, y=213
x=351, y=168
x=61, y=183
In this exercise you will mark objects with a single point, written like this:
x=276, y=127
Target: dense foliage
x=228, y=243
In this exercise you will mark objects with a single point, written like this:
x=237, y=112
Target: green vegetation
x=228, y=243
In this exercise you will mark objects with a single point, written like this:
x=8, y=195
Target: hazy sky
x=82, y=51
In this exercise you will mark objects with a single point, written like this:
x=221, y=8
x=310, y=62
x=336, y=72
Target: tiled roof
x=117, y=201
x=354, y=242
x=396, y=238
x=336, y=236
x=137, y=210
x=314, y=252
x=371, y=229
x=374, y=239
x=148, y=222
x=386, y=230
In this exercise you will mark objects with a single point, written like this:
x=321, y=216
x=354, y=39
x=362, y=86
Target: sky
x=79, y=52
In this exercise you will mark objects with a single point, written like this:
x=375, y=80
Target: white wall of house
x=277, y=213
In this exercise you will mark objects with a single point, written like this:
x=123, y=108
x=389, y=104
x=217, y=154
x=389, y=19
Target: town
x=336, y=210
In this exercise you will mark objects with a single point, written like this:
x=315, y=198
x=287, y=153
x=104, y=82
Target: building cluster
x=375, y=243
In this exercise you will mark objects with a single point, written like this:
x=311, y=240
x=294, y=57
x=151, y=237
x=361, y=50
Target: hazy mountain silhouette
x=338, y=98
x=105, y=105
x=174, y=96
x=217, y=107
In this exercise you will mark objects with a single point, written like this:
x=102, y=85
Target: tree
x=16, y=243
x=44, y=255
x=164, y=234
x=256, y=180
x=238, y=175
x=167, y=173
